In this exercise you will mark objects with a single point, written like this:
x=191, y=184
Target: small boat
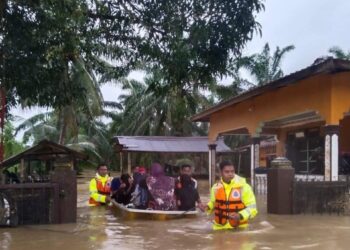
x=133, y=213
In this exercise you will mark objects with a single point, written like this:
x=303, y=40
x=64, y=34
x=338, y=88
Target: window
x=305, y=148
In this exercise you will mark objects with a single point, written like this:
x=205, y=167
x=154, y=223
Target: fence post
x=67, y=185
x=212, y=164
x=280, y=186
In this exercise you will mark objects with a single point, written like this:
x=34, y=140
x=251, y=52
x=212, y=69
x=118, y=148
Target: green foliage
x=192, y=42
x=58, y=53
x=265, y=67
x=44, y=43
x=238, y=85
x=338, y=53
x=83, y=133
x=49, y=50
x=156, y=108
x=11, y=146
x=39, y=127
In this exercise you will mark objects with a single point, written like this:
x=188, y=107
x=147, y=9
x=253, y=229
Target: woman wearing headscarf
x=161, y=188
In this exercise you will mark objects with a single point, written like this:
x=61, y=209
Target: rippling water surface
x=98, y=228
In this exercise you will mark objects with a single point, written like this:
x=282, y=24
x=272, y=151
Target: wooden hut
x=41, y=187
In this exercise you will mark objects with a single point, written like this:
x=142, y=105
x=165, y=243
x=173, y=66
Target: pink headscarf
x=161, y=188
x=157, y=170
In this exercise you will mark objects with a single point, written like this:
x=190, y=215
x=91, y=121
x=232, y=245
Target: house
x=307, y=112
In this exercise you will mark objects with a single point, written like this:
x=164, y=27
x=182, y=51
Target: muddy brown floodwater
x=98, y=228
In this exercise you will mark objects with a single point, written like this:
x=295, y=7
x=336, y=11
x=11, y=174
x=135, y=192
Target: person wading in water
x=231, y=199
x=100, y=187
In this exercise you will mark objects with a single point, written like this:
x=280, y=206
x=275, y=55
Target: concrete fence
x=261, y=181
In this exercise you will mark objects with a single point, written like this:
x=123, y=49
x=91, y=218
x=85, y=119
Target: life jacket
x=224, y=208
x=101, y=189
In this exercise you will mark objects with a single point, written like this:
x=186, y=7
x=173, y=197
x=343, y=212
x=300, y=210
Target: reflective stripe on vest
x=226, y=208
x=102, y=190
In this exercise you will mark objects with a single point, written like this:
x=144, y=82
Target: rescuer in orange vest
x=100, y=187
x=231, y=199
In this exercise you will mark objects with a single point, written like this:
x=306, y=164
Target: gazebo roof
x=167, y=144
x=44, y=148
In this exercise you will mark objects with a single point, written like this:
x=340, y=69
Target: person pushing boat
x=100, y=187
x=231, y=200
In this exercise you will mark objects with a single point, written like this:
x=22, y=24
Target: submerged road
x=98, y=228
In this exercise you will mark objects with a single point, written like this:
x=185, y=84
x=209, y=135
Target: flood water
x=98, y=228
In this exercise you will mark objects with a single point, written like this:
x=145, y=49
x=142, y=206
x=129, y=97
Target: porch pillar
x=212, y=164
x=121, y=161
x=281, y=144
x=21, y=171
x=331, y=152
x=254, y=159
x=129, y=163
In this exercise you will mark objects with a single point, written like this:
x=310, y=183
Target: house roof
x=43, y=148
x=328, y=66
x=167, y=144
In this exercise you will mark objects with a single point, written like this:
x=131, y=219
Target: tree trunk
x=63, y=127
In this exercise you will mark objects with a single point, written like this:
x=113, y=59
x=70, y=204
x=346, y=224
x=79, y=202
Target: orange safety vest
x=224, y=208
x=102, y=190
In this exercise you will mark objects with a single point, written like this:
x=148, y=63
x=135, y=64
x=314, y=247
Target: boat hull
x=137, y=214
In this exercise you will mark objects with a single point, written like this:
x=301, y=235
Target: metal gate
x=30, y=203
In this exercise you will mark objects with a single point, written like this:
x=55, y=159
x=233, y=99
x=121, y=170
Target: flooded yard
x=98, y=228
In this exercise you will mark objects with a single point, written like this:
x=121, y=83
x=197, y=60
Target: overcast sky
x=312, y=26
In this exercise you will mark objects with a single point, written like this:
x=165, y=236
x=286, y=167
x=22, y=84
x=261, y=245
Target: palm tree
x=337, y=52
x=263, y=66
x=237, y=86
x=90, y=136
x=12, y=146
x=90, y=103
x=153, y=107
x=38, y=127
x=64, y=120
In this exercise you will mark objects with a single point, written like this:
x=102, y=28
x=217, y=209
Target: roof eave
x=326, y=67
x=201, y=117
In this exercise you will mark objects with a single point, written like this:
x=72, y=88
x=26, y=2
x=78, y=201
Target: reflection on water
x=98, y=228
